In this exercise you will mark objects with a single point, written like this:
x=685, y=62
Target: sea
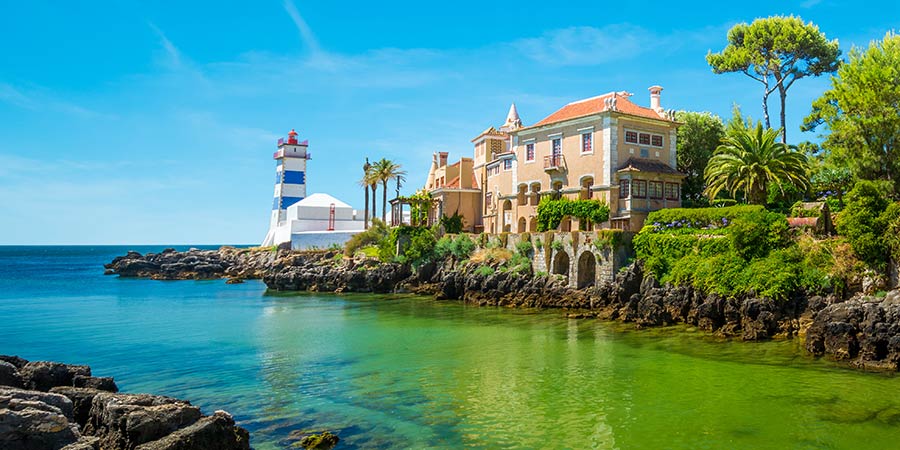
x=401, y=371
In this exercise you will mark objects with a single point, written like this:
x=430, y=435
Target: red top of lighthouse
x=292, y=137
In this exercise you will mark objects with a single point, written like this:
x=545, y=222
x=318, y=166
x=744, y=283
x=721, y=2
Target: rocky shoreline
x=54, y=406
x=863, y=331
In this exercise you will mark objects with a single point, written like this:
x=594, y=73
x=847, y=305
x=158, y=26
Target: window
x=656, y=140
x=631, y=137
x=488, y=198
x=640, y=189
x=645, y=153
x=672, y=191
x=656, y=189
x=557, y=147
x=587, y=144
x=529, y=152
x=507, y=164
x=624, y=188
x=644, y=139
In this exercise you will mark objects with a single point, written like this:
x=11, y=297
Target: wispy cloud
x=810, y=3
x=305, y=31
x=173, y=55
x=38, y=99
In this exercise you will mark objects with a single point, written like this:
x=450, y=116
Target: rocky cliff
x=862, y=331
x=54, y=406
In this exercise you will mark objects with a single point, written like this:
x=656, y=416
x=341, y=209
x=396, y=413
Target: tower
x=290, y=180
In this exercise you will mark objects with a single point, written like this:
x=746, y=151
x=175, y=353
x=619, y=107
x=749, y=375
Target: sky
x=126, y=122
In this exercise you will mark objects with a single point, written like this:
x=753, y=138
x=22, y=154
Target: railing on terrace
x=554, y=162
x=282, y=154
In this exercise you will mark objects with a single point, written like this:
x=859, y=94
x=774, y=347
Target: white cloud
x=306, y=32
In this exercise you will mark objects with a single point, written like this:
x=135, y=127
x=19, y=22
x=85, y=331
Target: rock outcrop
x=863, y=331
x=54, y=406
x=194, y=264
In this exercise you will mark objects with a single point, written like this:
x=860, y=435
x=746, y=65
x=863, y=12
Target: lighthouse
x=290, y=182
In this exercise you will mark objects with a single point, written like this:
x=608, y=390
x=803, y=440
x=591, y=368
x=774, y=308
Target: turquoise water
x=407, y=372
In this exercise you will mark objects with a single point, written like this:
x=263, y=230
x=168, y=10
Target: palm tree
x=749, y=161
x=387, y=170
x=364, y=182
x=371, y=179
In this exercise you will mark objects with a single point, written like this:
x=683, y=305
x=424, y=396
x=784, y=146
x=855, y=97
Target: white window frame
x=581, y=149
x=639, y=133
x=533, y=151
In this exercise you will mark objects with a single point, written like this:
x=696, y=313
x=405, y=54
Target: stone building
x=605, y=147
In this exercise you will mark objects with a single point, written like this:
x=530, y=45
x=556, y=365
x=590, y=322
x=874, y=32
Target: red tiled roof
x=453, y=184
x=596, y=105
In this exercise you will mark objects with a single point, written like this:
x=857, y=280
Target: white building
x=315, y=221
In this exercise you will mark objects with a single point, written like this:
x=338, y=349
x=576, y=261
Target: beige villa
x=605, y=147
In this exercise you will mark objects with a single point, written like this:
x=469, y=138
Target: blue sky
x=128, y=122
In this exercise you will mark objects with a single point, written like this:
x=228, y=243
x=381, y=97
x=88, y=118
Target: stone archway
x=521, y=224
x=506, y=219
x=561, y=263
x=532, y=225
x=587, y=270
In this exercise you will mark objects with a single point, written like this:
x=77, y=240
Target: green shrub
x=462, y=247
x=556, y=245
x=524, y=248
x=608, y=239
x=373, y=236
x=698, y=217
x=443, y=247
x=756, y=234
x=485, y=271
x=551, y=212
x=452, y=224
x=865, y=221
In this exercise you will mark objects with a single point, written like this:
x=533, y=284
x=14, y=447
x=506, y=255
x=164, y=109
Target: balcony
x=291, y=153
x=554, y=163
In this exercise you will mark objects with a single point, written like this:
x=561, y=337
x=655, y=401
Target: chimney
x=443, y=159
x=654, y=98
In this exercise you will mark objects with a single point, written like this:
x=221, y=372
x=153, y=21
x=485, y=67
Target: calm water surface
x=408, y=372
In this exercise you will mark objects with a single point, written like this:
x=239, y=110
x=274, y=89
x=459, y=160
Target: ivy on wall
x=550, y=213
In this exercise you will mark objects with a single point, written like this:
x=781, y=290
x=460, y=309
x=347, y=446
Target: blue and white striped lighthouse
x=290, y=180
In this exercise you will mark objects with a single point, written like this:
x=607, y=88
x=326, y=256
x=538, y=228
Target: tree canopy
x=749, y=162
x=862, y=113
x=698, y=137
x=776, y=51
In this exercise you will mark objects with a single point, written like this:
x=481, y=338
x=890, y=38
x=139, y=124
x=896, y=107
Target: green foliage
x=551, y=212
x=698, y=137
x=861, y=112
x=376, y=233
x=460, y=247
x=776, y=51
x=750, y=162
x=524, y=248
x=865, y=220
x=385, y=171
x=452, y=224
x=699, y=217
x=608, y=239
x=419, y=205
x=420, y=247
x=799, y=210
x=485, y=271
x=756, y=234
x=556, y=245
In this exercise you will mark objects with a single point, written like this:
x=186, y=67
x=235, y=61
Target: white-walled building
x=318, y=220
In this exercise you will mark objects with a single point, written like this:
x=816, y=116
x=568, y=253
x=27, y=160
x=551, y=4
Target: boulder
x=14, y=360
x=32, y=420
x=124, y=421
x=217, y=431
x=99, y=383
x=9, y=375
x=323, y=441
x=82, y=401
x=43, y=375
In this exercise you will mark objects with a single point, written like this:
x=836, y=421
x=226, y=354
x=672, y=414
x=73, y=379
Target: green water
x=408, y=372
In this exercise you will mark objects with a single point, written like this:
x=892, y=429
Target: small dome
x=292, y=132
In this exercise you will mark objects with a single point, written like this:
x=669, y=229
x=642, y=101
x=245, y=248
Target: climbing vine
x=551, y=212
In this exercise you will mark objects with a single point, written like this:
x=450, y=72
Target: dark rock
x=14, y=360
x=82, y=400
x=99, y=383
x=43, y=375
x=217, y=431
x=9, y=376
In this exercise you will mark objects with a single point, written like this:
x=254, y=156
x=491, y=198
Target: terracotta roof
x=453, y=184
x=597, y=105
x=647, y=165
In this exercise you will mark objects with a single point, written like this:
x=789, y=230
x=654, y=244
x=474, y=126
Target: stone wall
x=585, y=258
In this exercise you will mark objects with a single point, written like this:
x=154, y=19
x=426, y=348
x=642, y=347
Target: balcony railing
x=554, y=162
x=287, y=154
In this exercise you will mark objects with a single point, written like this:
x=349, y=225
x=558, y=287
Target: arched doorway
x=566, y=224
x=521, y=224
x=507, y=216
x=587, y=270
x=532, y=224
x=561, y=263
